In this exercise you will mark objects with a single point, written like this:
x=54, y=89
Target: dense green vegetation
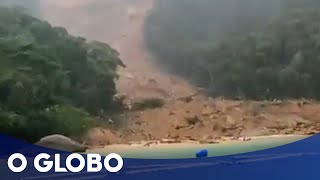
x=50, y=81
x=240, y=49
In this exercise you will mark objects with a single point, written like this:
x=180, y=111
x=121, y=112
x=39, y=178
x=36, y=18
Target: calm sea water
x=177, y=151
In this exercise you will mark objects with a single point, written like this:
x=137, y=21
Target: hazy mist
x=31, y=6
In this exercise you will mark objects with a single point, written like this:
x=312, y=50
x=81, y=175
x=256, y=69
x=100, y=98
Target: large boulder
x=62, y=143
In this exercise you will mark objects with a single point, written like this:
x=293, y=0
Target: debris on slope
x=186, y=112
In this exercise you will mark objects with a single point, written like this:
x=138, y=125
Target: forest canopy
x=51, y=82
x=249, y=49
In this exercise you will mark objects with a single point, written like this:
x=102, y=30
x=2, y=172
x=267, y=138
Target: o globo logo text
x=93, y=163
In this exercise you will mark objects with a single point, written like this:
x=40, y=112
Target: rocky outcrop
x=62, y=143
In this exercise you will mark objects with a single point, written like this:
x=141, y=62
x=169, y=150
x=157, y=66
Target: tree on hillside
x=51, y=82
x=234, y=50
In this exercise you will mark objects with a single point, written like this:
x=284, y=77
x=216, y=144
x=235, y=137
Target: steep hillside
x=187, y=113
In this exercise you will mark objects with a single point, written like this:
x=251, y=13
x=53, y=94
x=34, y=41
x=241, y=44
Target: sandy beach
x=187, y=149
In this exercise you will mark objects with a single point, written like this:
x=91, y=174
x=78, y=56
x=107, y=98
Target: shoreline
x=187, y=149
x=190, y=143
x=177, y=142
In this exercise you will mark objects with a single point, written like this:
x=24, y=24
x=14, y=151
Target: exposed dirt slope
x=186, y=114
x=119, y=23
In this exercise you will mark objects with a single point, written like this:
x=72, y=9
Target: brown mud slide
x=185, y=114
